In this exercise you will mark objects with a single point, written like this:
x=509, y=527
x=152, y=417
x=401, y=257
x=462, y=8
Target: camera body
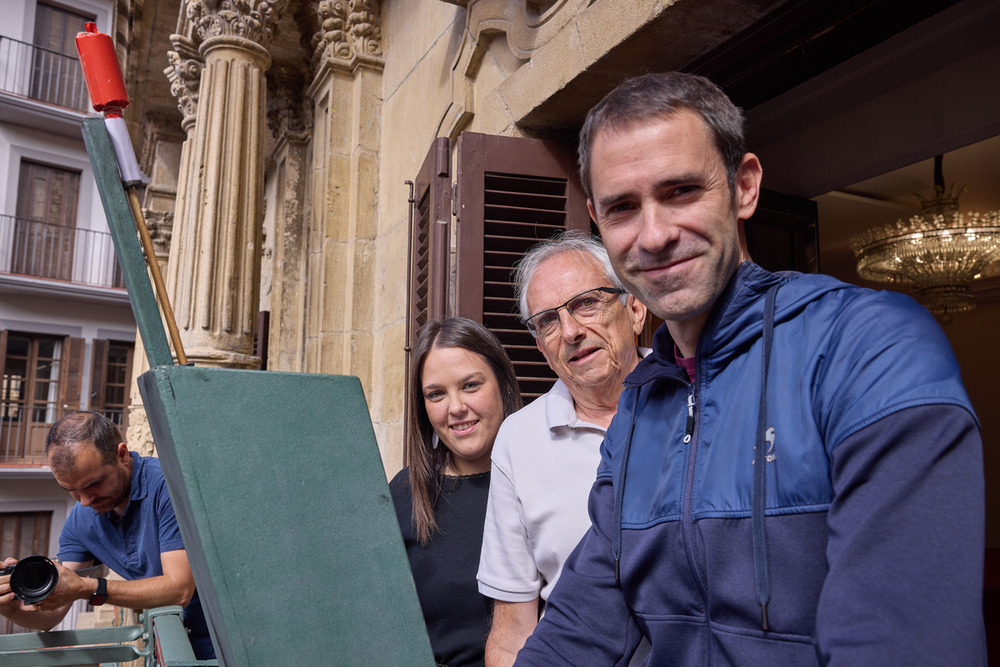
x=32, y=578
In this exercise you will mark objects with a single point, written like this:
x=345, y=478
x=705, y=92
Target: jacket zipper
x=687, y=522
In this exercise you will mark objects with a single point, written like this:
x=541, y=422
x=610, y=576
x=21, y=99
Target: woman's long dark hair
x=426, y=463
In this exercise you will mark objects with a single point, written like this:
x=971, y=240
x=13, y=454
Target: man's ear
x=747, y=186
x=122, y=451
x=590, y=208
x=638, y=311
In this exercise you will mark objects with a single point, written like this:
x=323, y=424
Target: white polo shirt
x=544, y=465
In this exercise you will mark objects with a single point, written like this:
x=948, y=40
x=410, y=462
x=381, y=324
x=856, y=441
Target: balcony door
x=45, y=229
x=41, y=381
x=56, y=76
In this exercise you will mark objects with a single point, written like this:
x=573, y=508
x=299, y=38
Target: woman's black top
x=444, y=571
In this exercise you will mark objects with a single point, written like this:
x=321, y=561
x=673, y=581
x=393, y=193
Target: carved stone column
x=286, y=223
x=214, y=276
x=184, y=74
x=346, y=93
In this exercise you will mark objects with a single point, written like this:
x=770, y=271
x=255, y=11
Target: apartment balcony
x=23, y=431
x=39, y=74
x=32, y=249
x=41, y=89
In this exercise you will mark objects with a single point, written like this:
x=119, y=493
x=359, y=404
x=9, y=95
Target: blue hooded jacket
x=815, y=496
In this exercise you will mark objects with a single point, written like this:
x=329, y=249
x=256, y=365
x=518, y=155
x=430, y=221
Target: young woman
x=462, y=388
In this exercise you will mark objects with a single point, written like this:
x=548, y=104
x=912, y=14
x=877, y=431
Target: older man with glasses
x=545, y=456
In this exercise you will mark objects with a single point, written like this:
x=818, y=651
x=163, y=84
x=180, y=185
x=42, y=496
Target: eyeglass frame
x=617, y=291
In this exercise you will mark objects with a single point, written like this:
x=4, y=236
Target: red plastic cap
x=101, y=70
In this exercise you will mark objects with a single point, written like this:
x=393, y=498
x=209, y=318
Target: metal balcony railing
x=22, y=438
x=45, y=250
x=40, y=74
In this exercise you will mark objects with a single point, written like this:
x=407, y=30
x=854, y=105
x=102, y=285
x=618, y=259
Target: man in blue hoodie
x=794, y=475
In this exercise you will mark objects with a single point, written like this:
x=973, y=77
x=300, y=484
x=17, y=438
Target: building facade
x=67, y=335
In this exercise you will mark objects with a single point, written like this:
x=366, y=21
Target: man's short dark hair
x=78, y=428
x=663, y=94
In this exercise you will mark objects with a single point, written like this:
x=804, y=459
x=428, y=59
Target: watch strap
x=100, y=596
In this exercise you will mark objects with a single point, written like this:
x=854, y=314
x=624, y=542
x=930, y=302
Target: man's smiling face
x=595, y=352
x=667, y=214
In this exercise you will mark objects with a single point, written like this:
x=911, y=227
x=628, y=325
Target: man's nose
x=84, y=498
x=569, y=327
x=657, y=229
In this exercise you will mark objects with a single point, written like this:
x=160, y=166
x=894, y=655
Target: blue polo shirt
x=131, y=544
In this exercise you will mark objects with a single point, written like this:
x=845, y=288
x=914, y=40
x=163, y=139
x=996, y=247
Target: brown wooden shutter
x=46, y=219
x=430, y=229
x=511, y=193
x=3, y=354
x=71, y=375
x=429, y=238
x=98, y=375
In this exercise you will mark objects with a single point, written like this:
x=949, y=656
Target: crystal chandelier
x=939, y=252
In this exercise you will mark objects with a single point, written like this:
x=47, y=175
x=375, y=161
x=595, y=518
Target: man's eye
x=546, y=321
x=620, y=207
x=584, y=303
x=682, y=190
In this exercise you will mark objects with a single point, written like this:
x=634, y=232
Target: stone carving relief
x=347, y=28
x=363, y=20
x=287, y=114
x=526, y=25
x=161, y=227
x=184, y=74
x=332, y=38
x=251, y=19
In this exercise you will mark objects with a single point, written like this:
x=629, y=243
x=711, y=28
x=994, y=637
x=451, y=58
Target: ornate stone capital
x=364, y=23
x=331, y=40
x=348, y=29
x=255, y=20
x=184, y=74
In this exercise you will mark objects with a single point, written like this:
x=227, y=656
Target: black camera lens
x=33, y=578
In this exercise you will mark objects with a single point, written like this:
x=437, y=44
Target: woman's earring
x=435, y=440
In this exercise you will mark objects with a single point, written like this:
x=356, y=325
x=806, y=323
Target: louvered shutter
x=430, y=227
x=71, y=376
x=46, y=218
x=428, y=298
x=3, y=356
x=511, y=193
x=98, y=375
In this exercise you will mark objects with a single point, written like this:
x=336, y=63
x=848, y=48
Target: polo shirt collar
x=559, y=410
x=137, y=490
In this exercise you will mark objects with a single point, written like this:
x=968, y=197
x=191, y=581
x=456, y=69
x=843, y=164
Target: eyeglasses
x=583, y=307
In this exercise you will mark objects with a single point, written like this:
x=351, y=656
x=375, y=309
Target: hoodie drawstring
x=762, y=576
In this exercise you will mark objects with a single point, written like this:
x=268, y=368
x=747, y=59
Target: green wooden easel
x=279, y=491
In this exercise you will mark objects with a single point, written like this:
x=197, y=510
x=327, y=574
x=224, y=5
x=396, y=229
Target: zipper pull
x=689, y=427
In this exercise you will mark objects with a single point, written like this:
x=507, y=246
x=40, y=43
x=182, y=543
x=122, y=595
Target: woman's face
x=463, y=403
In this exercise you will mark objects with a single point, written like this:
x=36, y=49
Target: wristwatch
x=100, y=596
